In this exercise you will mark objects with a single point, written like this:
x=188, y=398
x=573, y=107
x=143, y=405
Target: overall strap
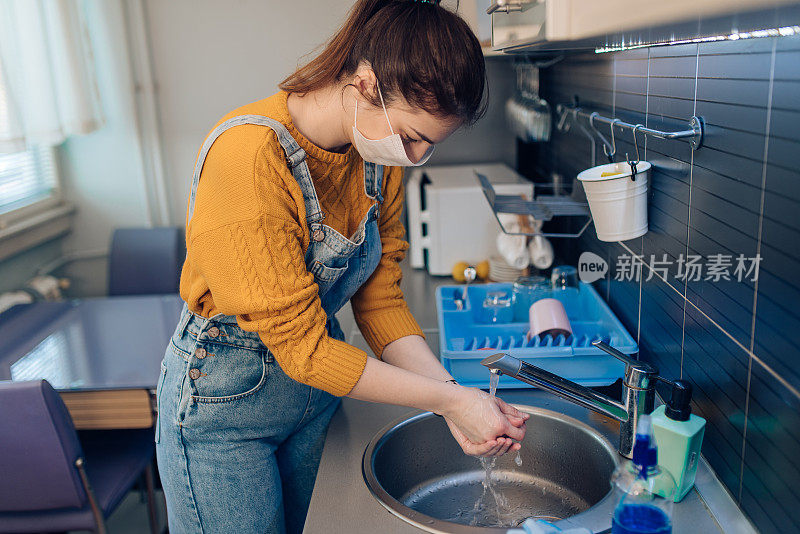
x=373, y=180
x=295, y=159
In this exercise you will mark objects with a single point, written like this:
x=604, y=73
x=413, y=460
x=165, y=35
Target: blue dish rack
x=464, y=341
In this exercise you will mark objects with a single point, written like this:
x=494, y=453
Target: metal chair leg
x=96, y=512
x=151, y=499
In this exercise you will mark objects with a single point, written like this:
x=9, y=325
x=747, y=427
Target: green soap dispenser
x=679, y=435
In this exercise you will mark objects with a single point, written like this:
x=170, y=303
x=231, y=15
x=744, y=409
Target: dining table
x=101, y=354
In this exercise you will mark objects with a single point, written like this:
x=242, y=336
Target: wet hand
x=494, y=447
x=484, y=425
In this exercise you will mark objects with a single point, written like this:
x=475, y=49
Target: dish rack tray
x=464, y=341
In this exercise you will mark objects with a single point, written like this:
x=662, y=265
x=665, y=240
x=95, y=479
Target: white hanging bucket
x=618, y=203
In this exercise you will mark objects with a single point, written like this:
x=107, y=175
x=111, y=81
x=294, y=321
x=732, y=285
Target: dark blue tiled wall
x=738, y=342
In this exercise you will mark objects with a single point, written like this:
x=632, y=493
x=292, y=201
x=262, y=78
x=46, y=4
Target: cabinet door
x=517, y=23
x=563, y=24
x=582, y=19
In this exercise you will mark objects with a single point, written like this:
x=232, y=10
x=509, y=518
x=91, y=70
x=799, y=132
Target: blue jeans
x=238, y=442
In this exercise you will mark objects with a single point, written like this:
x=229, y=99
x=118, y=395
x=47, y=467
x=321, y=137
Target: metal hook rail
x=694, y=134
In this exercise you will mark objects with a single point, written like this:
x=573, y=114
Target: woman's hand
x=494, y=447
x=484, y=425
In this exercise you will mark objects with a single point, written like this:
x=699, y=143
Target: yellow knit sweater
x=246, y=243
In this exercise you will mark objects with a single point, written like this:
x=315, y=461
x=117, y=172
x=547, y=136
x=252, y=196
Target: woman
x=294, y=210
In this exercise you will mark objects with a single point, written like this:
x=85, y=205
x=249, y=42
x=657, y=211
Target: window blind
x=26, y=177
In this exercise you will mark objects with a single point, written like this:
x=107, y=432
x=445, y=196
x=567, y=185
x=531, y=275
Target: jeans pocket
x=228, y=374
x=159, y=386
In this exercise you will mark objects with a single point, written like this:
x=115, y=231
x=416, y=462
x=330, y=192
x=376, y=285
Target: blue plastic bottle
x=640, y=482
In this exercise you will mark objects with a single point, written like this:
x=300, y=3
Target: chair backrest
x=146, y=261
x=38, y=450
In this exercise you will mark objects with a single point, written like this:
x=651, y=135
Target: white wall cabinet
x=564, y=24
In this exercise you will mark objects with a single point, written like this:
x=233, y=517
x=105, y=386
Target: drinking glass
x=564, y=276
x=497, y=308
x=564, y=280
x=527, y=290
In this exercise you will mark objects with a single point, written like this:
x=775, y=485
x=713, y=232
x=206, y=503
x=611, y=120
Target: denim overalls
x=238, y=442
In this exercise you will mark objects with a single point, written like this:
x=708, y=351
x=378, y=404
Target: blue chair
x=145, y=261
x=51, y=482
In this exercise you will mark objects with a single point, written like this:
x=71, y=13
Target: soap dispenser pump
x=679, y=435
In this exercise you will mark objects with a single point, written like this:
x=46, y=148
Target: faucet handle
x=629, y=362
x=638, y=375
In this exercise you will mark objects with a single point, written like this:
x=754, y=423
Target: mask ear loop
x=355, y=119
x=378, y=84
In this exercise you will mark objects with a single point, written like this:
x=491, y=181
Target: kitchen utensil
x=481, y=270
x=548, y=317
x=501, y=271
x=458, y=299
x=541, y=252
x=512, y=247
x=528, y=114
x=469, y=276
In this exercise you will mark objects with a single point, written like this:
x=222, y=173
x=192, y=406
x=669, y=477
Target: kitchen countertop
x=341, y=501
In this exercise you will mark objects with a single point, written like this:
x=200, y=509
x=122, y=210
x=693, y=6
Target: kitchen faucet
x=638, y=389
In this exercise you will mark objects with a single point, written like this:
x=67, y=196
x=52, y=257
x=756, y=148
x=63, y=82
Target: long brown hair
x=416, y=48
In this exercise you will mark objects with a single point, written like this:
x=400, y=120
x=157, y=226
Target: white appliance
x=449, y=219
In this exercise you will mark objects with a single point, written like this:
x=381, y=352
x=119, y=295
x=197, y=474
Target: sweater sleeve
x=379, y=307
x=251, y=255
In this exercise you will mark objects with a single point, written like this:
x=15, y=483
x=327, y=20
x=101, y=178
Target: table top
x=89, y=344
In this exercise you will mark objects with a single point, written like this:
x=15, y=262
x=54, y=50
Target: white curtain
x=48, y=89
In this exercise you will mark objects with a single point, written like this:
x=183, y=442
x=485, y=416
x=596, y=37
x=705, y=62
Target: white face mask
x=387, y=151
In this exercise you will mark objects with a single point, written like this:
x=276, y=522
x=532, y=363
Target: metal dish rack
x=542, y=208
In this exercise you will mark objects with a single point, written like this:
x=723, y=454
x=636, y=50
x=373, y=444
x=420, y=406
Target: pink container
x=548, y=316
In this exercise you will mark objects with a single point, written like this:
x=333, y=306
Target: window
x=48, y=93
x=27, y=178
x=27, y=175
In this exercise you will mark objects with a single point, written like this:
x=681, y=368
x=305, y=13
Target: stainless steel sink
x=417, y=471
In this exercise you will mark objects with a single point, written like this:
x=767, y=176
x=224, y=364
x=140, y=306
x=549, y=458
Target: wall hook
x=606, y=144
x=562, y=125
x=636, y=142
x=613, y=151
x=634, y=163
x=694, y=134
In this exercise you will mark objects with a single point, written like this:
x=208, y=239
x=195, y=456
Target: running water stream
x=504, y=512
x=494, y=378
